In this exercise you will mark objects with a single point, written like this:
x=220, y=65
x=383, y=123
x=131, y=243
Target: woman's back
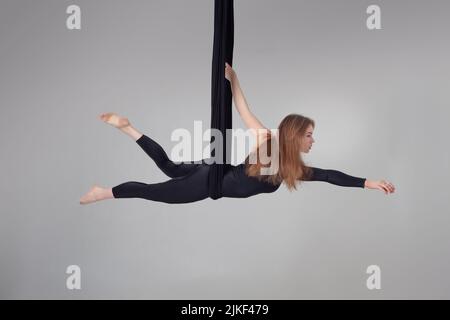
x=237, y=184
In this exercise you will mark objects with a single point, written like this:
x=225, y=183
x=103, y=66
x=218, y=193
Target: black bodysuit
x=189, y=181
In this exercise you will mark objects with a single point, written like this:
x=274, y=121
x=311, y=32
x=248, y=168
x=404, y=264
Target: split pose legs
x=189, y=181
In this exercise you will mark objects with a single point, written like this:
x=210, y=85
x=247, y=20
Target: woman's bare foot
x=96, y=193
x=115, y=120
x=121, y=123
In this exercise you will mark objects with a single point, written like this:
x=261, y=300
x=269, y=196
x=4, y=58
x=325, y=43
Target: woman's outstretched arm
x=241, y=104
x=341, y=179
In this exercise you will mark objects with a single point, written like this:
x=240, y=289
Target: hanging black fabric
x=221, y=95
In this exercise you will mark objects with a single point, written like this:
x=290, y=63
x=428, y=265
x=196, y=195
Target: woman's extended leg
x=157, y=153
x=189, y=182
x=150, y=146
x=189, y=188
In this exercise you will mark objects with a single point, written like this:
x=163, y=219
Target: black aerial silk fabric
x=221, y=95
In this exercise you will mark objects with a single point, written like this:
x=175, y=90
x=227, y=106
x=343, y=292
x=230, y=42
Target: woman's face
x=307, y=140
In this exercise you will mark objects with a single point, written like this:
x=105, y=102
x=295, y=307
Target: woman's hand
x=382, y=185
x=229, y=72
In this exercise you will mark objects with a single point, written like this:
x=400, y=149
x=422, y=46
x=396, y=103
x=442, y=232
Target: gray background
x=379, y=99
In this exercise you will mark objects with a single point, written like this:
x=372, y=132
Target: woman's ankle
x=132, y=132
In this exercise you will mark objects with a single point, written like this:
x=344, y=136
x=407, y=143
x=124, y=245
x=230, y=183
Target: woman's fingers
x=229, y=72
x=387, y=187
x=382, y=185
x=390, y=186
x=382, y=188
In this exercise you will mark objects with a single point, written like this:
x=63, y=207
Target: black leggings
x=189, y=181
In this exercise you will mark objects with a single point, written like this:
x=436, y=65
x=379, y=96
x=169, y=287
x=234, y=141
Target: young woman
x=189, y=182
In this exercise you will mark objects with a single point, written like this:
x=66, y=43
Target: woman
x=189, y=182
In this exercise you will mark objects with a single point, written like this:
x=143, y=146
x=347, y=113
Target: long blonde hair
x=291, y=168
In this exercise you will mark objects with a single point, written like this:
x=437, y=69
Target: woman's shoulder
x=262, y=137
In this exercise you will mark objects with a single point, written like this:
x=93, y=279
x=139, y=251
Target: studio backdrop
x=373, y=75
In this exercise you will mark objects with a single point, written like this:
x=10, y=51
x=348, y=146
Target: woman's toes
x=91, y=196
x=114, y=120
x=106, y=116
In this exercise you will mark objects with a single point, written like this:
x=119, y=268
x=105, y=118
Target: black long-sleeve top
x=336, y=177
x=238, y=184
